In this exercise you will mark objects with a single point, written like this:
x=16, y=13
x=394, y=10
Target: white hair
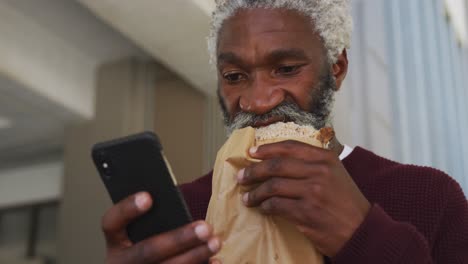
x=331, y=19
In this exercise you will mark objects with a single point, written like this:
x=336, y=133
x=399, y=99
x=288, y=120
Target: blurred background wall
x=76, y=72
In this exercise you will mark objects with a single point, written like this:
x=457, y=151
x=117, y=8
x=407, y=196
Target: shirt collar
x=346, y=151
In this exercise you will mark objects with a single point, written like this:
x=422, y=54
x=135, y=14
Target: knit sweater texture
x=418, y=214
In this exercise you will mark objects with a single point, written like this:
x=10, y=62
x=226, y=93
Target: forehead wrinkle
x=241, y=36
x=258, y=16
x=273, y=56
x=232, y=58
x=278, y=27
x=270, y=57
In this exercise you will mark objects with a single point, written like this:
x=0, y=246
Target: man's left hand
x=310, y=187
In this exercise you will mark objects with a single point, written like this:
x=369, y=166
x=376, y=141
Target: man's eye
x=288, y=70
x=234, y=77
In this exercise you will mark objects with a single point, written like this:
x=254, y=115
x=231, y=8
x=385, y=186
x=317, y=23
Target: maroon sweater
x=418, y=214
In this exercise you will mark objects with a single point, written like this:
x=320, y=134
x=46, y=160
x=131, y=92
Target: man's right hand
x=193, y=243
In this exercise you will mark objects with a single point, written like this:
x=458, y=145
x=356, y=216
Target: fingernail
x=245, y=198
x=202, y=232
x=253, y=150
x=240, y=175
x=141, y=201
x=214, y=245
x=215, y=262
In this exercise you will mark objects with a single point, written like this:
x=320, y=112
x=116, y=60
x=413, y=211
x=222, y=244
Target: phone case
x=136, y=163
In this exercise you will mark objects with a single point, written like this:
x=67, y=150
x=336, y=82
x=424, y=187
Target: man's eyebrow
x=272, y=57
x=283, y=54
x=230, y=58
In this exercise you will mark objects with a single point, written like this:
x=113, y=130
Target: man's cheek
x=232, y=105
x=223, y=103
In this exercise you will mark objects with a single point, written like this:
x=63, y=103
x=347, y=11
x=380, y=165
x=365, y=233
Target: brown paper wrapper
x=248, y=236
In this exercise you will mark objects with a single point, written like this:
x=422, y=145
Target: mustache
x=286, y=111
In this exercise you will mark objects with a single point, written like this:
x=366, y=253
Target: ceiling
x=43, y=31
x=172, y=31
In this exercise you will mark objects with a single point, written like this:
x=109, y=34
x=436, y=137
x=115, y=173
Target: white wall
x=31, y=184
x=363, y=113
x=407, y=76
x=457, y=11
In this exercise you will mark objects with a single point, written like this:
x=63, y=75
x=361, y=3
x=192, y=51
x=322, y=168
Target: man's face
x=272, y=67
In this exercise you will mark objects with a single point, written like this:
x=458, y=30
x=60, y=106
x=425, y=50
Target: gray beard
x=318, y=115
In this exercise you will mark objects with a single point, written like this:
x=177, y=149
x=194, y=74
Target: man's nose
x=262, y=96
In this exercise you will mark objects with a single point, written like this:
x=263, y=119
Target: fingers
x=116, y=219
x=194, y=240
x=215, y=261
x=275, y=187
x=198, y=254
x=277, y=167
x=193, y=243
x=291, y=148
x=284, y=207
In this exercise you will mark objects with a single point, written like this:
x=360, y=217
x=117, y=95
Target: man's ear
x=340, y=69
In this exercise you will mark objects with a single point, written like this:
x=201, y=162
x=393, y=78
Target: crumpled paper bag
x=248, y=236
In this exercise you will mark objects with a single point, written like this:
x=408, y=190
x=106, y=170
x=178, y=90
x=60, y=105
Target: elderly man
x=283, y=60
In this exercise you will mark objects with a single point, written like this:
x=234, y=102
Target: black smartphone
x=137, y=163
